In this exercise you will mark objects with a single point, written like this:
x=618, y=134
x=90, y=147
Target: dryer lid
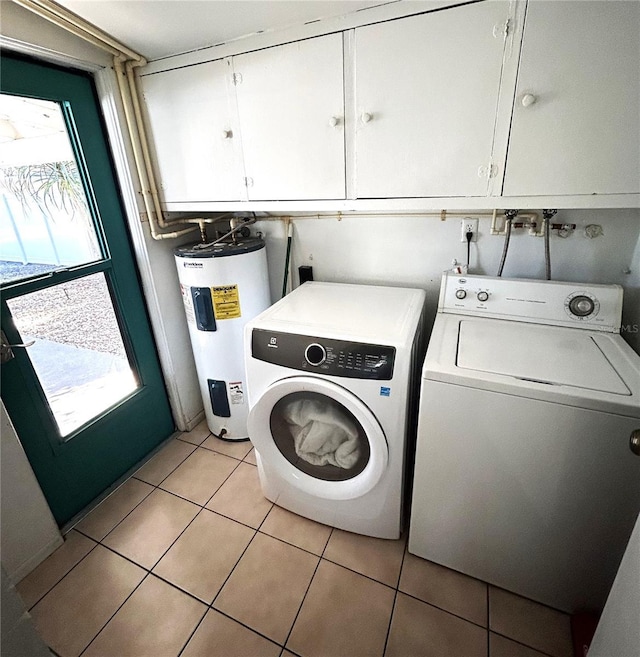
x=542, y=354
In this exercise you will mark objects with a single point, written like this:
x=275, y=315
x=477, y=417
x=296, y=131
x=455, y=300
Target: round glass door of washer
x=319, y=437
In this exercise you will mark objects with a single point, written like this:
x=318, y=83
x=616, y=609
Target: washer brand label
x=236, y=393
x=226, y=301
x=188, y=263
x=385, y=392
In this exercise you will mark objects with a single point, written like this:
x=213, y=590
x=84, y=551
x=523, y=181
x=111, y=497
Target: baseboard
x=35, y=560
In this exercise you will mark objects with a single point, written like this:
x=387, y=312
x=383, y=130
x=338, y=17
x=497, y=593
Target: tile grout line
x=395, y=598
x=114, y=613
x=195, y=629
x=171, y=471
x=215, y=597
x=446, y=611
x=46, y=593
x=149, y=572
x=393, y=610
x=225, y=480
x=304, y=597
x=84, y=533
x=524, y=645
x=488, y=621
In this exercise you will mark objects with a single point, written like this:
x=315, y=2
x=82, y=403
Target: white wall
x=618, y=632
x=19, y=636
x=24, y=26
x=173, y=339
x=631, y=317
x=29, y=532
x=413, y=251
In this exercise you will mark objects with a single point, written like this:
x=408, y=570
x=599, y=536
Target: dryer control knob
x=315, y=354
x=482, y=296
x=461, y=294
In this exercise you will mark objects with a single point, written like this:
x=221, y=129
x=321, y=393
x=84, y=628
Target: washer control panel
x=596, y=307
x=355, y=360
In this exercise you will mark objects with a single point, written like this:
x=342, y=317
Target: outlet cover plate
x=466, y=225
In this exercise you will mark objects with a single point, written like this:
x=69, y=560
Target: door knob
x=634, y=442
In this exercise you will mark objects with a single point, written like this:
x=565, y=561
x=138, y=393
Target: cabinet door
x=576, y=117
x=191, y=117
x=291, y=110
x=426, y=97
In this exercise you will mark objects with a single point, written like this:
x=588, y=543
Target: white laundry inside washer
x=322, y=434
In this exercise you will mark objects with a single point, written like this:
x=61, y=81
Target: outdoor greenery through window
x=45, y=223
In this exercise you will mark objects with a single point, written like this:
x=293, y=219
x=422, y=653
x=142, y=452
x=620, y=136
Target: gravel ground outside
x=78, y=355
x=77, y=313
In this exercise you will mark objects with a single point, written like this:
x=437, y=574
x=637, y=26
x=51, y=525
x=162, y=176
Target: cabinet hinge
x=237, y=78
x=248, y=181
x=488, y=171
x=502, y=30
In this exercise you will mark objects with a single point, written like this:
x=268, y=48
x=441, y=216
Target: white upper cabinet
x=576, y=115
x=426, y=93
x=291, y=111
x=194, y=133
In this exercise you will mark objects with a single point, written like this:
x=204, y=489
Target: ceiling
x=160, y=28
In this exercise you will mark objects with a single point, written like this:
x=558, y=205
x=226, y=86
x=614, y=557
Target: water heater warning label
x=226, y=301
x=188, y=303
x=236, y=394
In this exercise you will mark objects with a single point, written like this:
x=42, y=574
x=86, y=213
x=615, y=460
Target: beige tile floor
x=188, y=558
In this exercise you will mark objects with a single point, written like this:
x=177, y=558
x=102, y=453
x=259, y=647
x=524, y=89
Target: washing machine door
x=319, y=437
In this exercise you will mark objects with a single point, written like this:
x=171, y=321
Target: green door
x=81, y=381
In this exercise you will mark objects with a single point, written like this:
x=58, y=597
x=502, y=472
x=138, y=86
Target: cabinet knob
x=227, y=134
x=528, y=100
x=366, y=117
x=634, y=442
x=334, y=121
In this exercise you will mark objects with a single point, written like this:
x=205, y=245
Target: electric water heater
x=223, y=285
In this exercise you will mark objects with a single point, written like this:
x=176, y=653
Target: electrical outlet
x=469, y=225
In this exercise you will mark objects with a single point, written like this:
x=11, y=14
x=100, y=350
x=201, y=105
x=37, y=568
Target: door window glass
x=77, y=351
x=319, y=436
x=45, y=222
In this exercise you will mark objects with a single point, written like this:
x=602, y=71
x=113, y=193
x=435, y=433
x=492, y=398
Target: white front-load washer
x=330, y=374
x=527, y=473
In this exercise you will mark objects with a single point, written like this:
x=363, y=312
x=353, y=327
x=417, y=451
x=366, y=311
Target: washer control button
x=581, y=306
x=461, y=294
x=482, y=296
x=315, y=354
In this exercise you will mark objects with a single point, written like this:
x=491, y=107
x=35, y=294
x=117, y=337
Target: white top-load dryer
x=329, y=375
x=524, y=476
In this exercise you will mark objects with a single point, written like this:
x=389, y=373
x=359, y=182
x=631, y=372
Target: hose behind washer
x=287, y=258
x=505, y=248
